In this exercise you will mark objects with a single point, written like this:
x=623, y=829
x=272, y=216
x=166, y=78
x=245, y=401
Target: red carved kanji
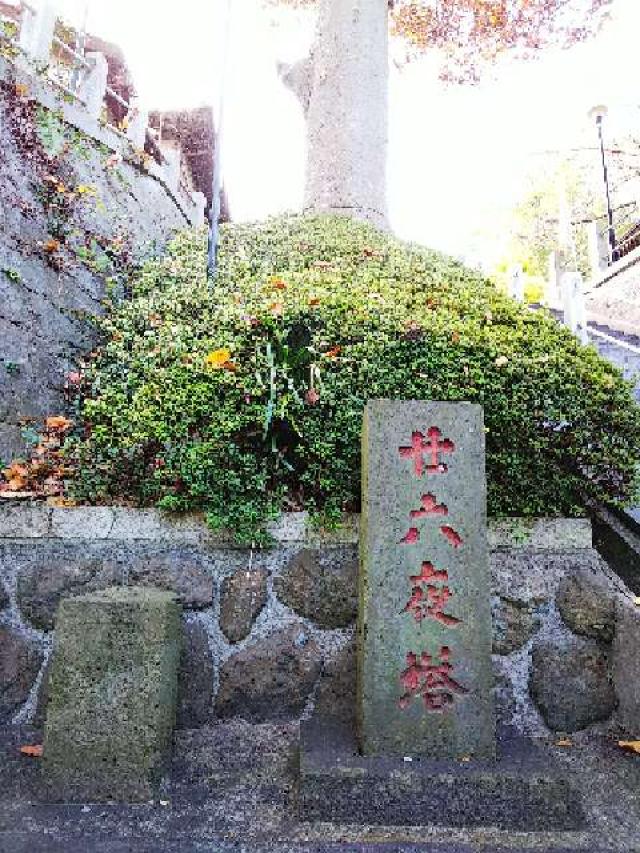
x=429, y=596
x=412, y=537
x=452, y=536
x=432, y=681
x=433, y=446
x=429, y=507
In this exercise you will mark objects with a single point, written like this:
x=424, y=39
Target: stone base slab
x=520, y=791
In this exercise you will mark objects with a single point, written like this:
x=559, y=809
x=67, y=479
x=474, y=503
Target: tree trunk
x=343, y=88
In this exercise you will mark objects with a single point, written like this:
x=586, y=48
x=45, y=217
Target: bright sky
x=458, y=155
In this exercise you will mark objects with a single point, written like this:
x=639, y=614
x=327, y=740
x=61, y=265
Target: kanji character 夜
x=429, y=596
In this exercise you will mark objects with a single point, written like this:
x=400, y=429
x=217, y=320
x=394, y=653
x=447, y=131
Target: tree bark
x=343, y=87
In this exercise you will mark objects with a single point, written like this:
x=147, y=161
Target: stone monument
x=424, y=636
x=423, y=747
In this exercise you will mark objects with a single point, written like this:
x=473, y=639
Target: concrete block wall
x=269, y=634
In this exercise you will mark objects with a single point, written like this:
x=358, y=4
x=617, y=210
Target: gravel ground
x=233, y=790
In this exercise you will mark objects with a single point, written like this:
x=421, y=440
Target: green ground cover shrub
x=247, y=398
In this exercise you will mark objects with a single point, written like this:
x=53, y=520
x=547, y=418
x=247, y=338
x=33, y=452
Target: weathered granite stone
x=243, y=596
x=514, y=623
x=571, y=683
x=40, y=586
x=4, y=597
x=587, y=605
x=177, y=573
x=424, y=631
x=112, y=695
x=20, y=662
x=62, y=570
x=270, y=679
x=321, y=585
x=195, y=677
x=336, y=695
x=626, y=666
x=534, y=576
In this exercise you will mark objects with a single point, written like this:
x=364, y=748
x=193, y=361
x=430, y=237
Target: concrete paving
x=233, y=790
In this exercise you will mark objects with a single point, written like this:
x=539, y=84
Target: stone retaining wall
x=74, y=217
x=268, y=634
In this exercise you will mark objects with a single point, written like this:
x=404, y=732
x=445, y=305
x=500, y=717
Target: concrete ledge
x=519, y=791
x=540, y=534
x=32, y=520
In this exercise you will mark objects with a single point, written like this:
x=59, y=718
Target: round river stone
x=571, y=684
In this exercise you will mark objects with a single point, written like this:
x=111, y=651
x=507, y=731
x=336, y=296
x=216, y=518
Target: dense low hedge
x=247, y=397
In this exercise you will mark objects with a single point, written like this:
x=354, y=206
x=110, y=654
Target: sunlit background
x=458, y=155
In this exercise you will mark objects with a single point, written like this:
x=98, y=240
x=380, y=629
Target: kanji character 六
x=452, y=536
x=430, y=506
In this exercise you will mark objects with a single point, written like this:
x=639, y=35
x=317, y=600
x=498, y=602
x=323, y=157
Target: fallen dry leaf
x=630, y=745
x=57, y=423
x=64, y=503
x=333, y=352
x=32, y=751
x=564, y=741
x=52, y=246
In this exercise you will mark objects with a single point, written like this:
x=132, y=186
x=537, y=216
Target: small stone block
x=112, y=695
x=522, y=791
x=424, y=634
